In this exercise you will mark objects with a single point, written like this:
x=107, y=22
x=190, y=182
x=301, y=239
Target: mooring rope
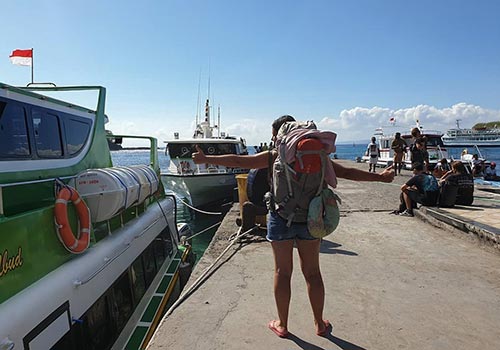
x=203, y=231
x=196, y=209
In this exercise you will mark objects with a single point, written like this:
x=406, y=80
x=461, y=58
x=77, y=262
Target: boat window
x=434, y=141
x=138, y=280
x=77, y=132
x=122, y=301
x=97, y=324
x=47, y=134
x=148, y=258
x=13, y=131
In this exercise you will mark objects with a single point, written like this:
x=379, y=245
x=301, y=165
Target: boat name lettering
x=90, y=182
x=8, y=264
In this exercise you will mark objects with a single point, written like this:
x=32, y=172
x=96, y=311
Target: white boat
x=469, y=137
x=435, y=146
x=205, y=183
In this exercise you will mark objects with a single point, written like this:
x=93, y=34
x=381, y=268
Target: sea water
x=199, y=221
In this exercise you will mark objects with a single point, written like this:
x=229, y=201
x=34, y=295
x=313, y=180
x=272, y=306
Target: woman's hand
x=198, y=156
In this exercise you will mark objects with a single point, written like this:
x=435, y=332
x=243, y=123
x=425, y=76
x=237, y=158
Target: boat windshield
x=434, y=141
x=185, y=150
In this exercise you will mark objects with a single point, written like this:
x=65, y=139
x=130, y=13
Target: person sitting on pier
x=284, y=236
x=441, y=168
x=477, y=166
x=422, y=188
x=257, y=187
x=458, y=176
x=490, y=173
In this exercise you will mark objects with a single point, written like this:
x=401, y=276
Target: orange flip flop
x=279, y=333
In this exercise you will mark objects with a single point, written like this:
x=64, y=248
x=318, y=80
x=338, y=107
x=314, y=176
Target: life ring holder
x=74, y=244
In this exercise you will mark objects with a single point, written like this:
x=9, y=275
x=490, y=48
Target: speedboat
x=434, y=144
x=90, y=251
x=205, y=183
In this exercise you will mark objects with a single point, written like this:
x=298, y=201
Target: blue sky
x=348, y=65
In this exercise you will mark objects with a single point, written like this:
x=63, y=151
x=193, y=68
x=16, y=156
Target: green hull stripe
x=174, y=266
x=136, y=339
x=165, y=281
x=150, y=312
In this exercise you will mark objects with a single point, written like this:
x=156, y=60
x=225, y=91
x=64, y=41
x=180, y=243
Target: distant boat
x=205, y=183
x=486, y=137
x=434, y=144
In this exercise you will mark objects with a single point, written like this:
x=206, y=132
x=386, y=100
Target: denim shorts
x=278, y=231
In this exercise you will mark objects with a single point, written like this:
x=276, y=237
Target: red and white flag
x=22, y=57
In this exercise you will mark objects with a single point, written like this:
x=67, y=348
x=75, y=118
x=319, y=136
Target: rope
x=196, y=209
x=201, y=279
x=203, y=231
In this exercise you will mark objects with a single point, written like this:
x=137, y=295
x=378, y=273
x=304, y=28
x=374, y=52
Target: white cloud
x=359, y=123
x=355, y=124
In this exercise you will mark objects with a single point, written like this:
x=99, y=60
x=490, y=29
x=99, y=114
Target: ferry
x=89, y=252
x=472, y=137
x=205, y=183
x=435, y=146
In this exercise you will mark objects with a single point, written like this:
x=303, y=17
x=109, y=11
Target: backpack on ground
x=296, y=184
x=431, y=190
x=257, y=186
x=447, y=194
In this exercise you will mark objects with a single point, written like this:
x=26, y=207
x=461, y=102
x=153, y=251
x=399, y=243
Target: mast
x=218, y=122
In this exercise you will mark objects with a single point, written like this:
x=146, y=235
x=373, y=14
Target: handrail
x=36, y=181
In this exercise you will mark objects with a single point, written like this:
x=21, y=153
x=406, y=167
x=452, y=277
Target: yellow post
x=242, y=198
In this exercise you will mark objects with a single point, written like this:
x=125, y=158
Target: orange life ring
x=73, y=244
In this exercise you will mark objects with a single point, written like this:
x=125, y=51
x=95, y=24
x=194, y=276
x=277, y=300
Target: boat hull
x=203, y=189
x=76, y=285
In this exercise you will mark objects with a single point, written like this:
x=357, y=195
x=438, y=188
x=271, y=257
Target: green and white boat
x=89, y=252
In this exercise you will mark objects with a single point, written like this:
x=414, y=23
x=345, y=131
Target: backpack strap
x=324, y=159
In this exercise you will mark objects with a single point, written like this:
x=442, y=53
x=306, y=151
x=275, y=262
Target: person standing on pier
x=373, y=151
x=398, y=145
x=283, y=236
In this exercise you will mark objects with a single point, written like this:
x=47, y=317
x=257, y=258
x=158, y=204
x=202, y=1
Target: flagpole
x=32, y=64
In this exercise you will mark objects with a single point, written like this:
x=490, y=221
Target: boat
x=481, y=136
x=89, y=251
x=434, y=144
x=205, y=183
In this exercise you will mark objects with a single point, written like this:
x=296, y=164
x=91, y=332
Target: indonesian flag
x=22, y=57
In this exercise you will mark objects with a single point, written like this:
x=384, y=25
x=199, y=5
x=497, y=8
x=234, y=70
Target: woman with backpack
x=283, y=232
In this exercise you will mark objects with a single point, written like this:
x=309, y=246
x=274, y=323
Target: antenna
x=218, y=122
x=198, y=103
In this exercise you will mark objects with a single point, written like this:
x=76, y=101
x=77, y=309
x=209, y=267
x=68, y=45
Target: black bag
x=447, y=195
x=257, y=186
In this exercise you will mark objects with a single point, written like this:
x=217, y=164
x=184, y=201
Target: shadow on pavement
x=328, y=247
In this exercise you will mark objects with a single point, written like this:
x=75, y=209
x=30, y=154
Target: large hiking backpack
x=295, y=184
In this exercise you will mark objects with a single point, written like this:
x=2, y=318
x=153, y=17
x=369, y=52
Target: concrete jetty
x=427, y=282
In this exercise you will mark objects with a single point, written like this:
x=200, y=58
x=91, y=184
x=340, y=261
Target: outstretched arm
x=361, y=175
x=255, y=161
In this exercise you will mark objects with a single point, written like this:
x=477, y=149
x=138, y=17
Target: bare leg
x=283, y=266
x=309, y=262
x=408, y=203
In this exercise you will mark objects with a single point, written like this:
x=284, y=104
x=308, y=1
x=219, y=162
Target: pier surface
x=391, y=282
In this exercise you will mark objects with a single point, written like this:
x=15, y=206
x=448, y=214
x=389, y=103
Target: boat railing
x=153, y=148
x=21, y=183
